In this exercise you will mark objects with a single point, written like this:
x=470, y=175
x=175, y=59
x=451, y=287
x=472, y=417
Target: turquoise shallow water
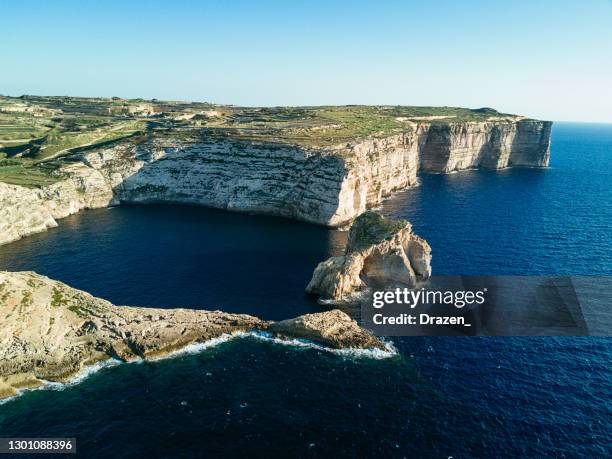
x=437, y=397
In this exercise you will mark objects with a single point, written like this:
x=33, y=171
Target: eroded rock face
x=25, y=211
x=323, y=185
x=494, y=145
x=22, y=212
x=49, y=331
x=379, y=251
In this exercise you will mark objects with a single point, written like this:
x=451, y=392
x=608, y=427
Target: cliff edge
x=324, y=165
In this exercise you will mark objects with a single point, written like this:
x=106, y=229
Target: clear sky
x=545, y=59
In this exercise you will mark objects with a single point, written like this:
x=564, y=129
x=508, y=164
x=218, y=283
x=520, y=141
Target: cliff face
x=372, y=170
x=260, y=178
x=493, y=145
x=49, y=331
x=379, y=252
x=25, y=211
x=323, y=185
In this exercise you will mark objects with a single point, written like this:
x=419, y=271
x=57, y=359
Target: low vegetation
x=372, y=228
x=57, y=299
x=37, y=134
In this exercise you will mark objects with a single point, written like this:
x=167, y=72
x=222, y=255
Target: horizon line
x=190, y=101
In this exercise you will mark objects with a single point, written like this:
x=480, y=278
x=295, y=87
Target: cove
x=182, y=256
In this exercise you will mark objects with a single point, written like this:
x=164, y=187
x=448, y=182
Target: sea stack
x=380, y=251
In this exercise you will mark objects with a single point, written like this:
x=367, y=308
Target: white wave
x=195, y=348
x=11, y=398
x=82, y=375
x=347, y=300
x=371, y=353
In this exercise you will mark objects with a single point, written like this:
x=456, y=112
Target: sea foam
x=195, y=348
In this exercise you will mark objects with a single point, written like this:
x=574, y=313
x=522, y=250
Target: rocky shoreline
x=327, y=185
x=51, y=332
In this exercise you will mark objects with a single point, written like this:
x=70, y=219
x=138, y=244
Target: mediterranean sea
x=438, y=397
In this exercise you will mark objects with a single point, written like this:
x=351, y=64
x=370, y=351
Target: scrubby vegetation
x=38, y=133
x=371, y=228
x=57, y=299
x=23, y=172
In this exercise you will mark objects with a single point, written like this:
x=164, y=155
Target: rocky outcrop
x=324, y=185
x=332, y=328
x=380, y=252
x=49, y=331
x=23, y=211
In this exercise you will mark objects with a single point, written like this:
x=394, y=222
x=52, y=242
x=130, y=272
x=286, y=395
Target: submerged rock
x=379, y=251
x=50, y=331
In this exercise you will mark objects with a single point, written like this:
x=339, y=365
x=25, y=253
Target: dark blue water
x=463, y=397
x=173, y=256
x=522, y=221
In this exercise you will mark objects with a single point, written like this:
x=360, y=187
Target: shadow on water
x=182, y=256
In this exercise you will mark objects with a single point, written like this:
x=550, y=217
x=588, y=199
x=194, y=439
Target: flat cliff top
x=36, y=132
x=371, y=228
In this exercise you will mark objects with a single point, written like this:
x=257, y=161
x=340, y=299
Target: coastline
x=51, y=331
x=272, y=168
x=88, y=370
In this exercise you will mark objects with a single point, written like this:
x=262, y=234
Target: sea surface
x=438, y=397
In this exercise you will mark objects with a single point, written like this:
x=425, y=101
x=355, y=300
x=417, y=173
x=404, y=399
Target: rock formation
x=328, y=185
x=379, y=252
x=324, y=165
x=49, y=331
x=333, y=328
x=494, y=145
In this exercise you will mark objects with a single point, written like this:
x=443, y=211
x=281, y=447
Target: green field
x=26, y=174
x=36, y=132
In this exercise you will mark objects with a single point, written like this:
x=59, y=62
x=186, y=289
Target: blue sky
x=546, y=59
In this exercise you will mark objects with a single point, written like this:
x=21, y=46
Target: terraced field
x=36, y=133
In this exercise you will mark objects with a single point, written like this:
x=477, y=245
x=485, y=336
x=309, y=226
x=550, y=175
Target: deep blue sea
x=440, y=397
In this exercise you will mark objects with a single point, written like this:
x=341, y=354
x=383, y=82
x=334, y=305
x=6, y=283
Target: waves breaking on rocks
x=196, y=348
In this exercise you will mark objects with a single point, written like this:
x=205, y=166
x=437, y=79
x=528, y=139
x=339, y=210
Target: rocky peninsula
x=379, y=251
x=324, y=165
x=50, y=331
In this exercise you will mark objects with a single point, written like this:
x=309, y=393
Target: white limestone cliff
x=494, y=145
x=323, y=185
